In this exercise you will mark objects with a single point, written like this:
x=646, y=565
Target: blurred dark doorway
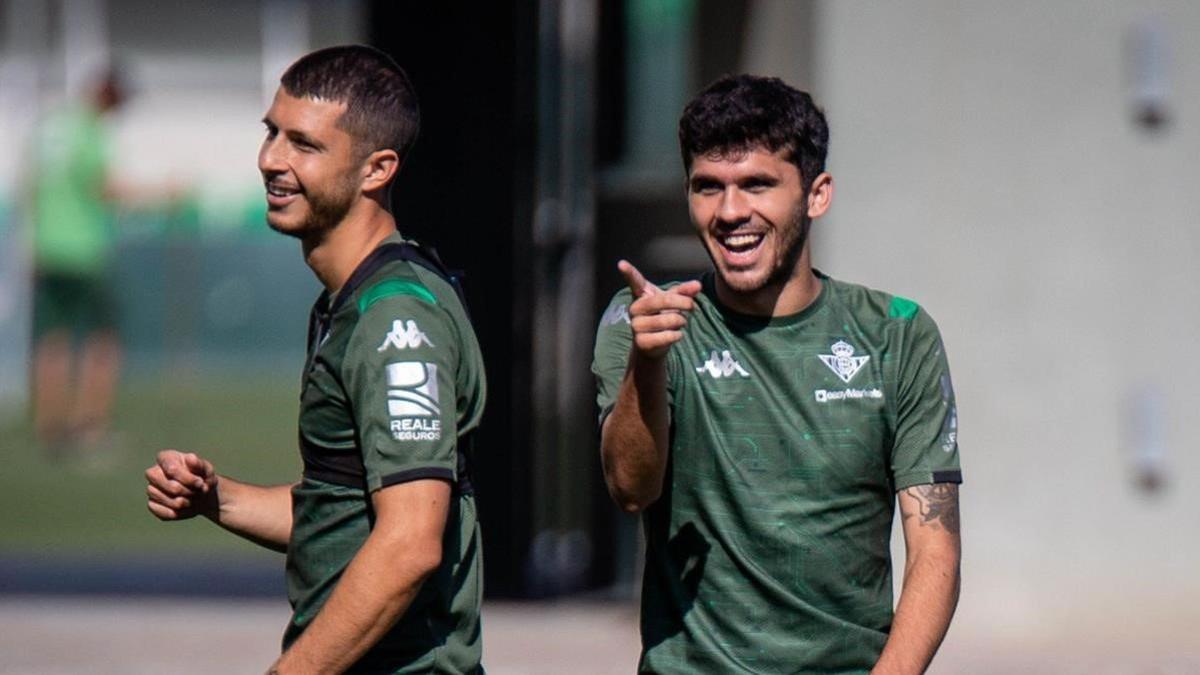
x=467, y=190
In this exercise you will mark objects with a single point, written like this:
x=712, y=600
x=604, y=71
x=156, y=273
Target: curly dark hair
x=381, y=104
x=743, y=112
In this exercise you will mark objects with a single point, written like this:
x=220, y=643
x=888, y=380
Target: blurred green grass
x=82, y=507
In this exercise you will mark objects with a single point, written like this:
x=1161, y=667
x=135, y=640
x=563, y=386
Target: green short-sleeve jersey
x=393, y=387
x=73, y=230
x=769, y=549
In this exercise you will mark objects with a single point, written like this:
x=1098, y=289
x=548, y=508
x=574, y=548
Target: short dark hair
x=381, y=104
x=738, y=113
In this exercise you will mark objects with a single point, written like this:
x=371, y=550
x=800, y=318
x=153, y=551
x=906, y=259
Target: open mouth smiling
x=278, y=190
x=281, y=194
x=741, y=242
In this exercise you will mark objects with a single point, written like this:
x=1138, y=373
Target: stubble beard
x=783, y=267
x=325, y=211
x=791, y=255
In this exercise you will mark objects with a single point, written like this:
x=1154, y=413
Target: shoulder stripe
x=902, y=308
x=386, y=289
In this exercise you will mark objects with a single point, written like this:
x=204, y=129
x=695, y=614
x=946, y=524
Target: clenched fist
x=181, y=485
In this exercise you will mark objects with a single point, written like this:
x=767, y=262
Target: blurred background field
x=213, y=332
x=1024, y=170
x=94, y=506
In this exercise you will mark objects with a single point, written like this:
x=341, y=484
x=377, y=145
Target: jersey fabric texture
x=768, y=551
x=393, y=386
x=73, y=230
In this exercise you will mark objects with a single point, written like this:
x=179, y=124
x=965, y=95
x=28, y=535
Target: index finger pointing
x=637, y=283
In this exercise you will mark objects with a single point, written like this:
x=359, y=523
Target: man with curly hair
x=766, y=418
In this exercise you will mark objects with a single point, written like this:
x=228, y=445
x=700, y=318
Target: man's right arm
x=184, y=485
x=633, y=438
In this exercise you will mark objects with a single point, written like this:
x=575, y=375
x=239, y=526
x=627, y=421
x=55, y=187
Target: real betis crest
x=842, y=361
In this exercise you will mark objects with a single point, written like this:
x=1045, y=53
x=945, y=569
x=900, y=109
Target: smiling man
x=766, y=419
x=383, y=549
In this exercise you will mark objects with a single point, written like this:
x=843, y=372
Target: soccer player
x=765, y=418
x=76, y=352
x=383, y=548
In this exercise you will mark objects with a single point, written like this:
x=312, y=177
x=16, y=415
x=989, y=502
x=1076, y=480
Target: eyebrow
x=761, y=177
x=294, y=135
x=304, y=138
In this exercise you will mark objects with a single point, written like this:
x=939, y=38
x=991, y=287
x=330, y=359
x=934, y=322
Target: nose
x=270, y=157
x=734, y=208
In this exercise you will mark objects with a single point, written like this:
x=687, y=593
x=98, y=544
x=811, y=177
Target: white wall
x=987, y=165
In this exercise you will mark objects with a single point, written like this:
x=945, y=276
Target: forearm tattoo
x=937, y=504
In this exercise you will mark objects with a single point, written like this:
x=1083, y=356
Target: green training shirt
x=769, y=549
x=73, y=229
x=393, y=383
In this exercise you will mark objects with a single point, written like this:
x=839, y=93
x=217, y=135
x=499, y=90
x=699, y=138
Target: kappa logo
x=615, y=315
x=842, y=361
x=412, y=389
x=722, y=365
x=404, y=335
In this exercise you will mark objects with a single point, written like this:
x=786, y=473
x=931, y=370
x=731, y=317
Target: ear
x=820, y=195
x=379, y=168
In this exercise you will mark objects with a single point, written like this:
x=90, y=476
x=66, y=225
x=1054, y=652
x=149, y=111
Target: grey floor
x=51, y=636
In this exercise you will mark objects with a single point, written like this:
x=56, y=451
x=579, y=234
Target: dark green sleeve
x=400, y=371
x=925, y=449
x=614, y=337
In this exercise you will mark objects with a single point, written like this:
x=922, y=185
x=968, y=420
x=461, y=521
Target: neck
x=780, y=298
x=334, y=254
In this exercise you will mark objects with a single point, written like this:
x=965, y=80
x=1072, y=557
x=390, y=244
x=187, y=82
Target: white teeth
x=742, y=240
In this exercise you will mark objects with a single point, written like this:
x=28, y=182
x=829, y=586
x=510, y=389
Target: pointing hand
x=657, y=316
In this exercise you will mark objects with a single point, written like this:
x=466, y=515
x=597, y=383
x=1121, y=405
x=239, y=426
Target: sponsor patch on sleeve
x=412, y=401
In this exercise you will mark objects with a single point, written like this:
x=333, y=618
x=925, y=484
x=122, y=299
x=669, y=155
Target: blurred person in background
x=383, y=550
x=766, y=418
x=76, y=351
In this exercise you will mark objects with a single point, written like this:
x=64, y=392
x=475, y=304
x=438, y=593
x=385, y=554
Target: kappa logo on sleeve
x=413, y=401
x=404, y=335
x=615, y=315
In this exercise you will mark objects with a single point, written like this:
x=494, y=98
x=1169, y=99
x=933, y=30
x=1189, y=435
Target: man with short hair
x=383, y=546
x=766, y=418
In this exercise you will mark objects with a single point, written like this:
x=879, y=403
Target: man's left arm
x=931, y=578
x=399, y=372
x=403, y=549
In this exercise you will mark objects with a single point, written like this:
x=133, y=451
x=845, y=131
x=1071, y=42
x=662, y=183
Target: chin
x=744, y=281
x=284, y=226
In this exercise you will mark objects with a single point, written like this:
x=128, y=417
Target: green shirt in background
x=72, y=225
x=769, y=549
x=394, y=382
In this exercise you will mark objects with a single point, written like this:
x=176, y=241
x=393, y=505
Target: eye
x=757, y=185
x=706, y=187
